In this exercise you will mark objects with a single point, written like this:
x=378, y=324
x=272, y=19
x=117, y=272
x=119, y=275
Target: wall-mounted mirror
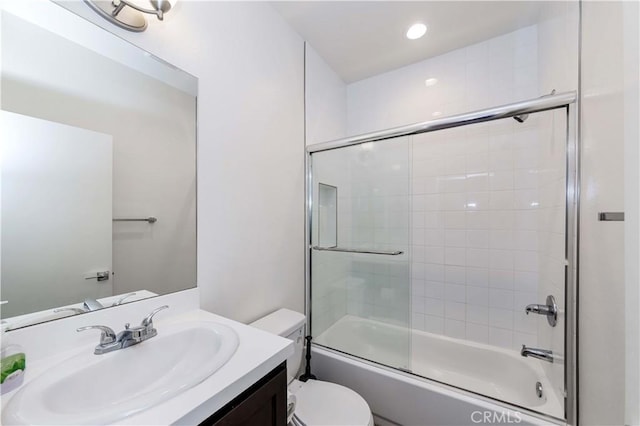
x=98, y=173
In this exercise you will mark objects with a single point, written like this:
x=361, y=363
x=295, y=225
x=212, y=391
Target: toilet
x=318, y=403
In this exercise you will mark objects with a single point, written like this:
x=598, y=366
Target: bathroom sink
x=102, y=389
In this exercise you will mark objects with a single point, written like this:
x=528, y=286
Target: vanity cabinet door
x=264, y=403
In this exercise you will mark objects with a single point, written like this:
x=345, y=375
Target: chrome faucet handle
x=107, y=336
x=148, y=320
x=122, y=299
x=550, y=310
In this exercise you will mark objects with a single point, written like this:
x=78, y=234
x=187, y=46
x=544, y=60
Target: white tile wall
x=475, y=231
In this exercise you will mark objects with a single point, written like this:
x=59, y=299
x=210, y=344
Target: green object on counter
x=11, y=364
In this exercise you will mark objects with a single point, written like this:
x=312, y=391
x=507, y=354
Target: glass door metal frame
x=566, y=100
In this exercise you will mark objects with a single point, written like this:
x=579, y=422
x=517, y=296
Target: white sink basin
x=102, y=389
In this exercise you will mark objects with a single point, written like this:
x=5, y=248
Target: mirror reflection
x=98, y=175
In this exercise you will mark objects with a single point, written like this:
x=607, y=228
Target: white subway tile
x=499, y=278
x=432, y=202
x=502, y=299
x=501, y=259
x=455, y=220
x=454, y=328
x=455, y=293
x=477, y=182
x=434, y=324
x=417, y=304
x=417, y=254
x=434, y=307
x=525, y=240
x=501, y=239
x=418, y=271
x=454, y=201
x=417, y=287
x=501, y=337
x=455, y=238
x=434, y=289
x=434, y=237
x=501, y=219
x=417, y=236
x=526, y=261
x=477, y=314
x=477, y=258
x=477, y=220
x=477, y=164
x=477, y=238
x=455, y=256
x=501, y=200
x=526, y=281
x=527, y=219
x=478, y=277
x=477, y=333
x=417, y=321
x=501, y=180
x=455, y=274
x=434, y=255
x=455, y=164
x=525, y=179
x=477, y=296
x=417, y=219
x=525, y=323
x=477, y=201
x=434, y=272
x=501, y=318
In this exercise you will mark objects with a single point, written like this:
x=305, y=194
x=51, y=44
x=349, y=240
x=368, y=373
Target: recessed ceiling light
x=430, y=82
x=416, y=31
x=436, y=114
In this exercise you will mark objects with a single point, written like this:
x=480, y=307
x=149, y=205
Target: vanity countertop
x=257, y=354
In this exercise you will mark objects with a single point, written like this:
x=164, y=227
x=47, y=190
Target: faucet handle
x=107, y=336
x=122, y=299
x=148, y=320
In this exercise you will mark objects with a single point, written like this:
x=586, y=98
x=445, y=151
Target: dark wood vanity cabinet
x=263, y=404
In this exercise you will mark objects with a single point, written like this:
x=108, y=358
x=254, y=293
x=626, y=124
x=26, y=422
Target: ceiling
x=359, y=39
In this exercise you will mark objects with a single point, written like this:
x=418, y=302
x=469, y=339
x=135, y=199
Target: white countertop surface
x=257, y=354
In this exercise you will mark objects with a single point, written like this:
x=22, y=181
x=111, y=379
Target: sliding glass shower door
x=448, y=254
x=360, y=251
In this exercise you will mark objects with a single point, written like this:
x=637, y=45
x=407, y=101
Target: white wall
x=602, y=290
x=631, y=22
x=325, y=100
x=250, y=149
x=490, y=73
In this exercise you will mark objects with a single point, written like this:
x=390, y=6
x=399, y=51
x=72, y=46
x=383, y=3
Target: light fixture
x=436, y=114
x=430, y=82
x=416, y=31
x=129, y=14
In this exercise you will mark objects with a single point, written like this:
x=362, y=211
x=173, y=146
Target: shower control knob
x=550, y=310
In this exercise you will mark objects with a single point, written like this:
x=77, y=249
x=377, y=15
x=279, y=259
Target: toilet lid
x=324, y=403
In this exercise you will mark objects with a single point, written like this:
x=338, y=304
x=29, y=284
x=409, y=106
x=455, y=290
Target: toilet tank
x=289, y=324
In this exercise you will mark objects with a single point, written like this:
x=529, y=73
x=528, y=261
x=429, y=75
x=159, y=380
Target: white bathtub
x=491, y=373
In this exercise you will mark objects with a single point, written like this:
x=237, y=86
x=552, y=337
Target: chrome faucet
x=550, y=310
x=130, y=336
x=542, y=354
x=92, y=305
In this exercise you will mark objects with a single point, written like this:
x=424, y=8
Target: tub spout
x=542, y=354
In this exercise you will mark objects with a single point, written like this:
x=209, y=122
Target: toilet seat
x=322, y=404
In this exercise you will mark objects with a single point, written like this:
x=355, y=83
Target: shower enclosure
x=433, y=249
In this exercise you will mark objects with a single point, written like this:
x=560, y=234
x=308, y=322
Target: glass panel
x=361, y=301
x=327, y=215
x=491, y=203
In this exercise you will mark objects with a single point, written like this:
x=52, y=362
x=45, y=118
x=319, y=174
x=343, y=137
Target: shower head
x=521, y=118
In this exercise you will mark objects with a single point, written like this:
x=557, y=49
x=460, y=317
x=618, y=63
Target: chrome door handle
x=100, y=276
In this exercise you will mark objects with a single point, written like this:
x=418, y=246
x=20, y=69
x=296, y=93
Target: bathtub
x=468, y=381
